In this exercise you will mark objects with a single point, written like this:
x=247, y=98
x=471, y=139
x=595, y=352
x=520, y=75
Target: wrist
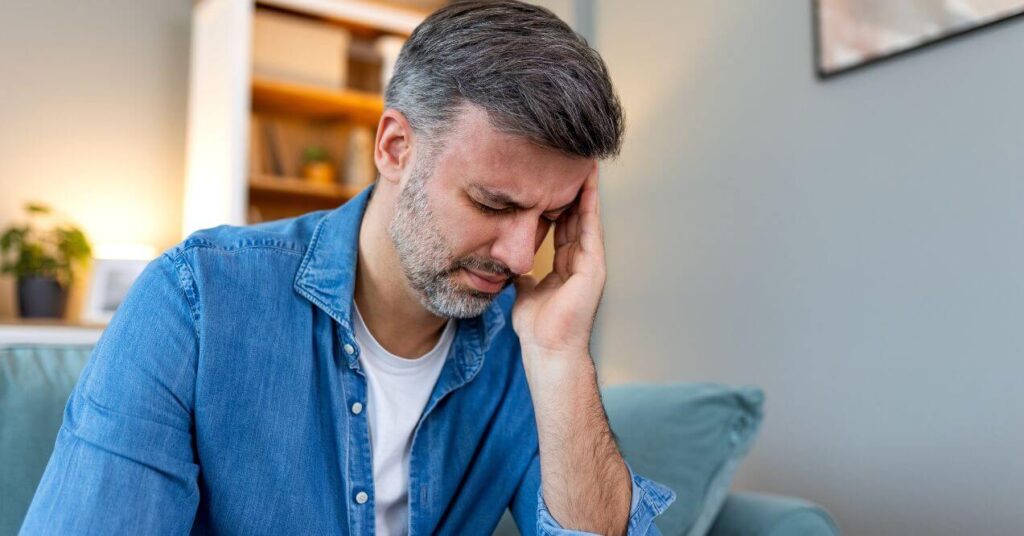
x=563, y=350
x=536, y=353
x=557, y=370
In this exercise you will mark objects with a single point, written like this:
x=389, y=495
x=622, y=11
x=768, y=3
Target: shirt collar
x=327, y=276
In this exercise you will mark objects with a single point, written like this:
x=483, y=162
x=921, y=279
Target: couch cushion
x=35, y=383
x=761, y=514
x=689, y=437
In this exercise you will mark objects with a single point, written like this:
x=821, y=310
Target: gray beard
x=427, y=259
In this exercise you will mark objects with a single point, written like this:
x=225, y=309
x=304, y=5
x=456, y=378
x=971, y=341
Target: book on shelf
x=272, y=163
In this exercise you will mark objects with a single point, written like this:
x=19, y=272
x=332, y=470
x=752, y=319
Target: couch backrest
x=689, y=437
x=35, y=383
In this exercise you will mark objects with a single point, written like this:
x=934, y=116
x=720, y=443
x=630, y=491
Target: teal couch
x=687, y=436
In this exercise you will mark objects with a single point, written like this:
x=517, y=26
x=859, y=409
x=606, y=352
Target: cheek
x=468, y=233
x=464, y=230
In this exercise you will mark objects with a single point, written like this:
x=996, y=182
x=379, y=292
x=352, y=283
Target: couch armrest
x=758, y=514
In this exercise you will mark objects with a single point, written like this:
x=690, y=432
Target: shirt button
x=349, y=349
x=357, y=408
x=362, y=497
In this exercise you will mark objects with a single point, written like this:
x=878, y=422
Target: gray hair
x=533, y=74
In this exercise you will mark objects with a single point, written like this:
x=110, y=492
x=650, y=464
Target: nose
x=517, y=243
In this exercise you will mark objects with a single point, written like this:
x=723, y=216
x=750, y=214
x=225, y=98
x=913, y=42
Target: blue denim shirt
x=220, y=400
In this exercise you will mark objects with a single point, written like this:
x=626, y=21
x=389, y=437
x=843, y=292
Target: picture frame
x=852, y=34
x=111, y=280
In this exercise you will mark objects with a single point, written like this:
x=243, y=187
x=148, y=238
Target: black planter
x=41, y=297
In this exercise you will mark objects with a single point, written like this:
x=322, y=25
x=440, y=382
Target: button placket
x=360, y=469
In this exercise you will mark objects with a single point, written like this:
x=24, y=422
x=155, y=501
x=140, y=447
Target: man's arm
x=535, y=514
x=585, y=483
x=123, y=462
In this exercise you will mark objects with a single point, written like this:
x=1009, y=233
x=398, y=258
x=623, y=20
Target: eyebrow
x=505, y=200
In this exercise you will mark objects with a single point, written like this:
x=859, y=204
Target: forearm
x=584, y=480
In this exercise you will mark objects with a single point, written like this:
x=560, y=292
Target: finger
x=573, y=234
x=567, y=254
x=589, y=196
x=551, y=280
x=568, y=245
x=597, y=192
x=562, y=229
x=573, y=225
x=560, y=262
x=591, y=232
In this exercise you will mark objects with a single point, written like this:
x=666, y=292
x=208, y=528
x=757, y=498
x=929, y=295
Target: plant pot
x=319, y=172
x=41, y=297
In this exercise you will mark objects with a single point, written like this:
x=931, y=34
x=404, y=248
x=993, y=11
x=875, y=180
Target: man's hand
x=555, y=317
x=584, y=481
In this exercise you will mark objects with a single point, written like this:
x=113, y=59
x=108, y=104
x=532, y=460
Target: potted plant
x=42, y=259
x=317, y=166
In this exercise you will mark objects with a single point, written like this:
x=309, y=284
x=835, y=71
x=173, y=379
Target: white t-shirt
x=397, y=392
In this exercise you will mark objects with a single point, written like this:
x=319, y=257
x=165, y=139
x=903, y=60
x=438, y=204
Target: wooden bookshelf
x=289, y=116
x=272, y=96
x=371, y=18
x=244, y=163
x=301, y=188
x=273, y=198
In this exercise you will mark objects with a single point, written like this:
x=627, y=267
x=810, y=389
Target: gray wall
x=856, y=247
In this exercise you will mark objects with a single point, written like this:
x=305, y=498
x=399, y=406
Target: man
x=373, y=368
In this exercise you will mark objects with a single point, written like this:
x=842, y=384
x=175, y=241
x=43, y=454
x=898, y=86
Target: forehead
x=476, y=153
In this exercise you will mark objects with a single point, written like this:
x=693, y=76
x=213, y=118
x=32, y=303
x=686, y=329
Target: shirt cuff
x=649, y=500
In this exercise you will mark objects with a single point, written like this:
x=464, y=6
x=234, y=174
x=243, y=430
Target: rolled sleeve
x=649, y=500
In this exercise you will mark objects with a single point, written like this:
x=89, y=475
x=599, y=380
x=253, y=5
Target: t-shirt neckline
x=393, y=361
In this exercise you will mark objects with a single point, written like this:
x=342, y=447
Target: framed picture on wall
x=111, y=279
x=850, y=34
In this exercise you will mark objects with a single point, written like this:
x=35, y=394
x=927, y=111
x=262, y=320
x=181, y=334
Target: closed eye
x=486, y=209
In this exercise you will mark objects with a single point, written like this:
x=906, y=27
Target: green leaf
x=26, y=251
x=37, y=208
x=12, y=238
x=315, y=153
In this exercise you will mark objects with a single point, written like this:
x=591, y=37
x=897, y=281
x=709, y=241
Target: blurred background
x=851, y=241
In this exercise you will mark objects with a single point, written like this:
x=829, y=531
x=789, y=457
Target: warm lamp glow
x=124, y=251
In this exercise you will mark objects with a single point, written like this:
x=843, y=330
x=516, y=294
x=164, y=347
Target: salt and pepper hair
x=533, y=74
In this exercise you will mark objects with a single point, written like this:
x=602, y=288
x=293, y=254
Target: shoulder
x=288, y=236
x=223, y=263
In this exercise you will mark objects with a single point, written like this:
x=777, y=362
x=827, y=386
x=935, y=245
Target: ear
x=392, y=151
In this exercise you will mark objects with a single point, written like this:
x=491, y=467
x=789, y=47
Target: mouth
x=485, y=282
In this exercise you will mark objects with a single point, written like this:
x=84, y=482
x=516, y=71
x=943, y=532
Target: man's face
x=470, y=220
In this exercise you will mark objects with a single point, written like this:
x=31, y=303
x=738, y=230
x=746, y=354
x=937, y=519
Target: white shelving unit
x=223, y=94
